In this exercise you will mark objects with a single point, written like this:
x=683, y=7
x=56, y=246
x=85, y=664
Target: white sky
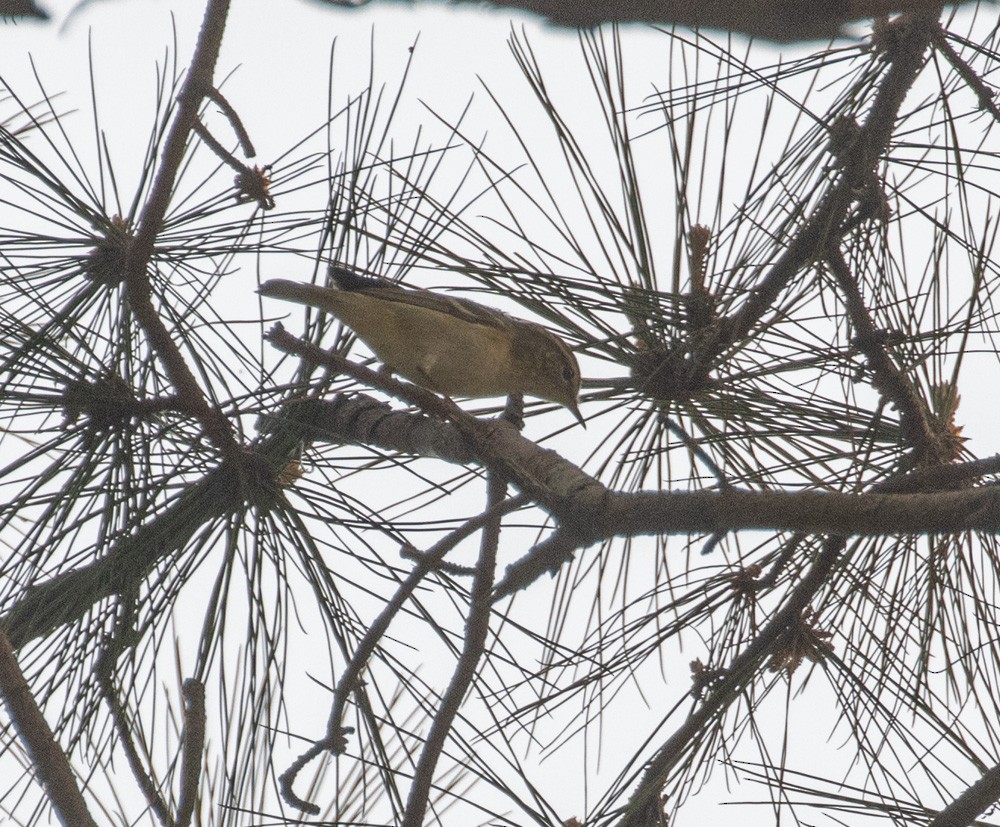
x=278, y=55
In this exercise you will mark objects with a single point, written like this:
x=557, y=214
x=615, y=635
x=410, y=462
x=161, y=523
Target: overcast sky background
x=277, y=56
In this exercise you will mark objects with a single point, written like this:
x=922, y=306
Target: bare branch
x=197, y=84
x=49, y=761
x=193, y=749
x=740, y=672
x=477, y=629
x=975, y=800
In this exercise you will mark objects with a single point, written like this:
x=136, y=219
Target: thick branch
x=975, y=800
x=811, y=512
x=780, y=20
x=70, y=596
x=47, y=758
x=594, y=513
x=808, y=512
x=359, y=419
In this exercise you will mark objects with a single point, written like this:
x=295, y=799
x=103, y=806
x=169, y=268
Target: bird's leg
x=513, y=411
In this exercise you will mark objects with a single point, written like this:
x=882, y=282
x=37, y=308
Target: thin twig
x=985, y=95
x=120, y=721
x=192, y=750
x=887, y=379
x=741, y=670
x=335, y=739
x=476, y=630
x=242, y=135
x=139, y=290
x=220, y=151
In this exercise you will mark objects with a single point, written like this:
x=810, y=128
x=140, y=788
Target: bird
x=449, y=345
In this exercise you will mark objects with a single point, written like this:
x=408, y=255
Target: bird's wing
x=472, y=312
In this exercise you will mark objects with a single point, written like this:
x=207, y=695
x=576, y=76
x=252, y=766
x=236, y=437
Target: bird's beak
x=574, y=408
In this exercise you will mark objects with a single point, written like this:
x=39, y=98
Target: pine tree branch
x=741, y=671
x=139, y=291
x=477, y=629
x=50, y=763
x=586, y=510
x=964, y=810
x=335, y=740
x=908, y=41
x=780, y=20
x=70, y=596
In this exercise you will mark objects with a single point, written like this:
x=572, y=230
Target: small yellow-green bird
x=451, y=346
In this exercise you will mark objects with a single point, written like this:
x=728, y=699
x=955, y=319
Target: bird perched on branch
x=451, y=346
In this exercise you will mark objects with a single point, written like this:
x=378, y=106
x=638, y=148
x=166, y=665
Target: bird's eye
x=567, y=373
